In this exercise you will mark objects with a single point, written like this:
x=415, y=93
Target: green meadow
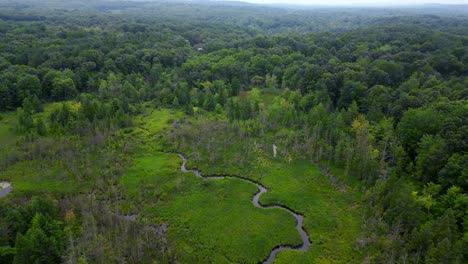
x=214, y=221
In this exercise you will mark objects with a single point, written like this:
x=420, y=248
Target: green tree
x=455, y=171
x=364, y=163
x=432, y=155
x=63, y=89
x=29, y=85
x=43, y=242
x=414, y=124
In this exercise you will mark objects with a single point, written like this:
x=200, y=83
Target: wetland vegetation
x=367, y=110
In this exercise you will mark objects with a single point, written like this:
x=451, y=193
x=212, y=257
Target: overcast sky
x=358, y=2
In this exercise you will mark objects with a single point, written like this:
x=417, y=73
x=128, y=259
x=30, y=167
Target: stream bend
x=262, y=189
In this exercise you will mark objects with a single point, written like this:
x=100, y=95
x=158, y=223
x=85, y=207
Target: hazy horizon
x=357, y=2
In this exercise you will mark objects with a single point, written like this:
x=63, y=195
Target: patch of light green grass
x=148, y=170
x=150, y=125
x=39, y=176
x=7, y=135
x=331, y=216
x=210, y=221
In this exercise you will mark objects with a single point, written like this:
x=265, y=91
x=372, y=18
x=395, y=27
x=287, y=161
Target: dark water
x=4, y=192
x=255, y=200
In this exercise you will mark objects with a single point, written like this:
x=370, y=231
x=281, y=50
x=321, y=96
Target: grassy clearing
x=150, y=125
x=207, y=231
x=331, y=216
x=61, y=165
x=7, y=136
x=38, y=177
x=210, y=220
x=148, y=172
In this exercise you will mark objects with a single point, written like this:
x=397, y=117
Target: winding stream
x=255, y=200
x=5, y=189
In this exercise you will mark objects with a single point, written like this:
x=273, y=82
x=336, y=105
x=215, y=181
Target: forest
x=227, y=132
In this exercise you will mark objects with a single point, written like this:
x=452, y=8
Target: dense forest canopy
x=370, y=101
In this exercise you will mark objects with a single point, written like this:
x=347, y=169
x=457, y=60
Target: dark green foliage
x=455, y=171
x=42, y=243
x=63, y=89
x=380, y=94
x=34, y=231
x=28, y=85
